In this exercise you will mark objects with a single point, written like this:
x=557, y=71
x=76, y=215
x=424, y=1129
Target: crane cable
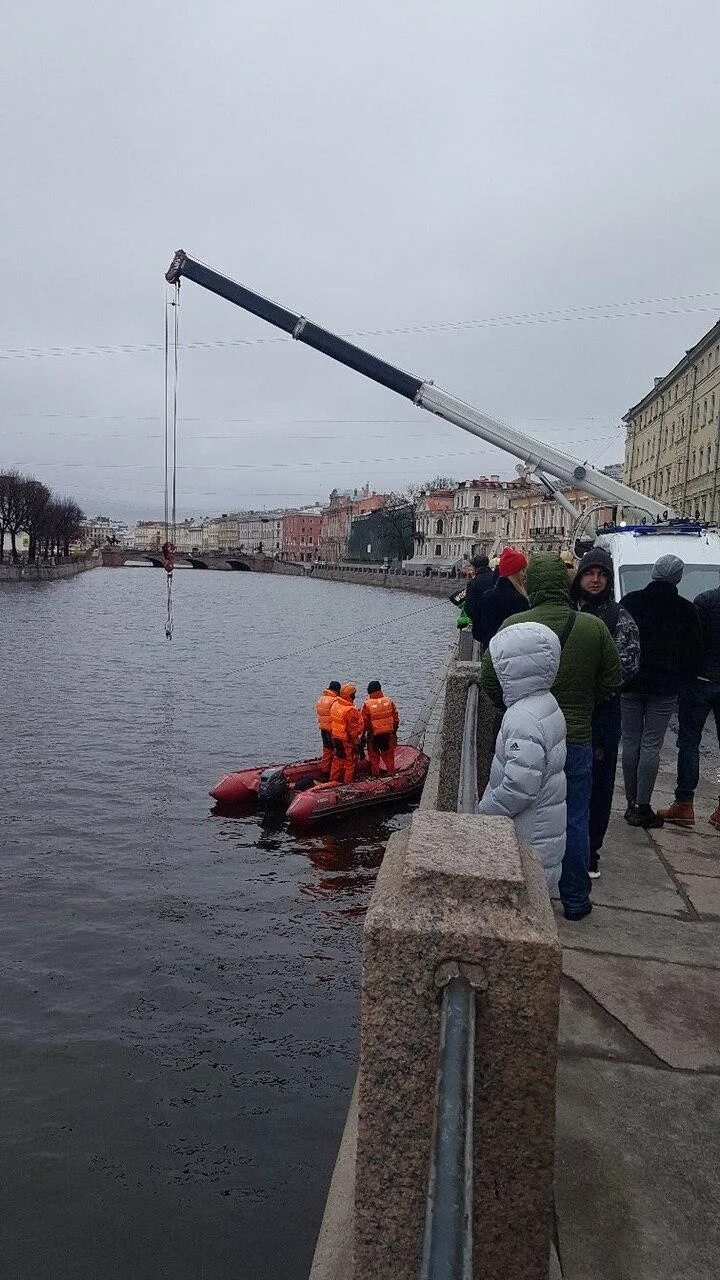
x=171, y=421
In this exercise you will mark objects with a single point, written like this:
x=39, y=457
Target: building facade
x=300, y=536
x=99, y=530
x=479, y=515
x=337, y=520
x=433, y=520
x=536, y=523
x=147, y=535
x=672, y=434
x=382, y=535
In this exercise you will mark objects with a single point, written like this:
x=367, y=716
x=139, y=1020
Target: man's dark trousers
x=697, y=699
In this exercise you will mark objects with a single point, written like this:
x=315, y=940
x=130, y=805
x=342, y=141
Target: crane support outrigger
x=538, y=459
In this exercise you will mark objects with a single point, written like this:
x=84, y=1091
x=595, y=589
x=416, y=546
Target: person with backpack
x=592, y=592
x=671, y=653
x=588, y=674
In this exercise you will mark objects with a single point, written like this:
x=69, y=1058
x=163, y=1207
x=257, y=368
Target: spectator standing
x=698, y=698
x=507, y=597
x=592, y=592
x=527, y=777
x=481, y=581
x=670, y=655
x=589, y=673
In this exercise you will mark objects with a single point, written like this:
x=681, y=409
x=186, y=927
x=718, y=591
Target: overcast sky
x=546, y=171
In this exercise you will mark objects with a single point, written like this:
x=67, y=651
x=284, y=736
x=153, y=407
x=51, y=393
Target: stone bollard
x=458, y=888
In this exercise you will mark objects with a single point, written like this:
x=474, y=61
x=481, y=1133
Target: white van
x=635, y=549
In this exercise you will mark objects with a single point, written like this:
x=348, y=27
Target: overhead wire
x=597, y=311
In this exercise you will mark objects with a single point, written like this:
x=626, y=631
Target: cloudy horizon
x=518, y=204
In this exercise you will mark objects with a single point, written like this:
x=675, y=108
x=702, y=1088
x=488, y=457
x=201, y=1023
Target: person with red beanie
x=507, y=597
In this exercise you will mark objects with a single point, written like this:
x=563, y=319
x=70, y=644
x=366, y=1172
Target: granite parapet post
x=458, y=888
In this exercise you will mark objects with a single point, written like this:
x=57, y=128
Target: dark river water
x=178, y=990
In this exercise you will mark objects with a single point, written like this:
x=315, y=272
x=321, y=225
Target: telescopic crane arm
x=536, y=456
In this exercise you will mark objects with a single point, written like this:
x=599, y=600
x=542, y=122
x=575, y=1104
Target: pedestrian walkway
x=637, y=1182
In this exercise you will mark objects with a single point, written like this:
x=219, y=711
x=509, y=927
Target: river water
x=179, y=991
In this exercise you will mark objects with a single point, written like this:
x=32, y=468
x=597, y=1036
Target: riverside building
x=671, y=445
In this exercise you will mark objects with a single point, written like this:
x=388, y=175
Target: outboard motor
x=274, y=791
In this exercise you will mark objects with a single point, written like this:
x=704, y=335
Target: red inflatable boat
x=298, y=787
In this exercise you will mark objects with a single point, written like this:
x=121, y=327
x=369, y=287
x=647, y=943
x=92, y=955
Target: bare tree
x=11, y=504
x=35, y=497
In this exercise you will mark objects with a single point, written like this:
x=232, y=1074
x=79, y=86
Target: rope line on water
x=350, y=635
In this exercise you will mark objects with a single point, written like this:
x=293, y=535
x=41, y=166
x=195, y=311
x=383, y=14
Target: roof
x=439, y=503
x=661, y=384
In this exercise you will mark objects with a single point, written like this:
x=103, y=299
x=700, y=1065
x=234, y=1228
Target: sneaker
x=594, y=868
x=594, y=873
x=578, y=915
x=628, y=814
x=680, y=813
x=644, y=816
x=714, y=819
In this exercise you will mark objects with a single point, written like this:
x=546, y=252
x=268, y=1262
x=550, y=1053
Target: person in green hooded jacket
x=589, y=673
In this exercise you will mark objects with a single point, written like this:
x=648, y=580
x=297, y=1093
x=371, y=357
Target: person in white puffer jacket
x=527, y=777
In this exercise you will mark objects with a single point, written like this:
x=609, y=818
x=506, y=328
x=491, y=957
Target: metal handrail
x=448, y=1238
x=467, y=801
x=447, y=1243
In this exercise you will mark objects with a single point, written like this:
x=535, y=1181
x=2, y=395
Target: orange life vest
x=382, y=715
x=346, y=721
x=323, y=706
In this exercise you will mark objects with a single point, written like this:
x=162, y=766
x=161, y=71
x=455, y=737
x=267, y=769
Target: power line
x=598, y=311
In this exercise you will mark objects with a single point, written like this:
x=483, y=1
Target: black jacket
x=671, y=648
x=475, y=590
x=497, y=605
x=708, y=607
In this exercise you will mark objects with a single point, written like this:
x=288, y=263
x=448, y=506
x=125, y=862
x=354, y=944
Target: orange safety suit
x=323, y=706
x=347, y=730
x=381, y=720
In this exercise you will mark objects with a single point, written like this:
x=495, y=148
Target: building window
x=475, y=526
x=476, y=500
x=438, y=549
x=438, y=528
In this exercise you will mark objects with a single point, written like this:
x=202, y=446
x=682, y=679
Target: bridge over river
x=117, y=557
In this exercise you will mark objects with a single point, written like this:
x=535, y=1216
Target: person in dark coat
x=507, y=597
x=698, y=698
x=671, y=653
x=481, y=581
x=592, y=591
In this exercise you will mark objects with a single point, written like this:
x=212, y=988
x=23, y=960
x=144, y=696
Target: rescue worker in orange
x=347, y=732
x=323, y=706
x=381, y=720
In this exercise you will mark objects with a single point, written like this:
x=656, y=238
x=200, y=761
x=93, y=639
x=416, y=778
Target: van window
x=696, y=578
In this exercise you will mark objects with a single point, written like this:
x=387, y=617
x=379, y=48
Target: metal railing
x=447, y=1242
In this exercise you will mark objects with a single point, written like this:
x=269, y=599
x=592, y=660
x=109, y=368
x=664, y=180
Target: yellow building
x=671, y=446
x=537, y=523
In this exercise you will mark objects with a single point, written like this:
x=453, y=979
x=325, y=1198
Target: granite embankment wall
x=39, y=571
x=369, y=576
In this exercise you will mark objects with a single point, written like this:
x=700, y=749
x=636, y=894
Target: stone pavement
x=637, y=1182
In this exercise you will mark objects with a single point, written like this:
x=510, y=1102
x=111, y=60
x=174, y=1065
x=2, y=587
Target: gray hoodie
x=527, y=778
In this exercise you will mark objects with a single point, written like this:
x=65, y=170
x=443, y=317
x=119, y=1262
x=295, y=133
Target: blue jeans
x=697, y=700
x=574, y=879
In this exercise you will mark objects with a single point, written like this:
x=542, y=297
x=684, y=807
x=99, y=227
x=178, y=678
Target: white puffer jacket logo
x=527, y=778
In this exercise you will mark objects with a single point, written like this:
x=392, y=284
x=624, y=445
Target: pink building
x=338, y=516
x=300, y=536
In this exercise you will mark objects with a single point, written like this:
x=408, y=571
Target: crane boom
x=537, y=456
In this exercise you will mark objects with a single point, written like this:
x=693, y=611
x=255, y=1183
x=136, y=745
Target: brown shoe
x=715, y=819
x=681, y=813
